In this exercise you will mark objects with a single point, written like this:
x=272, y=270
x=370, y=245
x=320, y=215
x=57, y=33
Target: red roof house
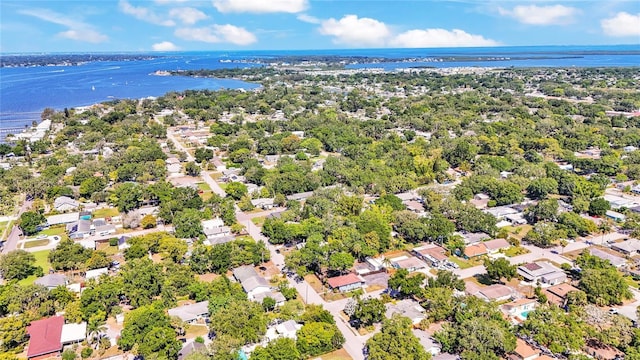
x=347, y=282
x=44, y=337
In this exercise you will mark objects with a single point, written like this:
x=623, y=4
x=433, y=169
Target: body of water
x=25, y=92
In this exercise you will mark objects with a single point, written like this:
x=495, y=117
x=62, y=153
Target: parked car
x=613, y=311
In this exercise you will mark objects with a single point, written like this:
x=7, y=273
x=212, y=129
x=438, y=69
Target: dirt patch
x=315, y=283
x=207, y=277
x=336, y=355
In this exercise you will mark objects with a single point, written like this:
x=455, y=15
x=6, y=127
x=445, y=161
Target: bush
x=113, y=242
x=69, y=355
x=86, y=352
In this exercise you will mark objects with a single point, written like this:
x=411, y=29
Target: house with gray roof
x=252, y=283
x=65, y=203
x=407, y=308
x=51, y=281
x=192, y=312
x=629, y=247
x=616, y=261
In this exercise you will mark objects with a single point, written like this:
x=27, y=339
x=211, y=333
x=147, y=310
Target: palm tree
x=604, y=227
x=96, y=327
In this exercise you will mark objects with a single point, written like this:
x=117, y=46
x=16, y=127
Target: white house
x=543, y=272
x=192, y=312
x=252, y=283
x=65, y=203
x=95, y=273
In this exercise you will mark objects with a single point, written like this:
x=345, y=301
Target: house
x=480, y=201
x=104, y=230
x=408, y=196
x=213, y=223
x=615, y=216
x=475, y=250
x=51, y=281
x=345, y=283
x=494, y=246
x=472, y=238
x=63, y=219
x=65, y=203
x=557, y=294
x=263, y=203
x=602, y=351
x=95, y=273
x=80, y=229
x=300, y=196
x=409, y=263
x=428, y=343
x=190, y=348
x=174, y=169
x=616, y=261
x=499, y=212
x=434, y=255
x=73, y=333
x=519, y=308
x=543, y=272
x=191, y=313
x=524, y=351
x=219, y=240
x=414, y=206
x=275, y=295
x=496, y=292
x=44, y=338
x=219, y=232
x=219, y=164
x=252, y=283
x=408, y=308
x=288, y=329
x=618, y=202
x=629, y=247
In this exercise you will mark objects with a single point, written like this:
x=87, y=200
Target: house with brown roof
x=434, y=255
x=602, y=351
x=557, y=294
x=524, y=351
x=519, y=309
x=496, y=292
x=495, y=245
x=409, y=263
x=475, y=250
x=345, y=283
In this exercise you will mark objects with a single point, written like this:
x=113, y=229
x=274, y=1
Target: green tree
x=160, y=343
x=598, y=206
x=69, y=255
x=369, y=311
x=406, y=285
x=604, y=286
x=29, y=221
x=396, y=342
x=147, y=327
x=391, y=200
x=556, y=329
x=279, y=349
x=316, y=338
x=500, y=268
x=148, y=221
x=241, y=320
x=192, y=169
x=540, y=188
x=17, y=265
x=203, y=154
x=13, y=333
x=544, y=210
x=187, y=224
x=340, y=261
x=446, y=279
x=236, y=190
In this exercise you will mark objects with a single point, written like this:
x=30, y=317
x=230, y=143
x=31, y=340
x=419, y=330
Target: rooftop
x=190, y=312
x=344, y=280
x=44, y=336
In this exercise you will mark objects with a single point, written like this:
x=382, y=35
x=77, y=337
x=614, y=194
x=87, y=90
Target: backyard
x=42, y=261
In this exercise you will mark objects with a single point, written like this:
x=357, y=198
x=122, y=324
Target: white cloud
x=144, y=14
x=77, y=30
x=309, y=19
x=217, y=34
x=165, y=2
x=187, y=15
x=431, y=38
x=621, y=25
x=260, y=6
x=164, y=46
x=541, y=15
x=356, y=31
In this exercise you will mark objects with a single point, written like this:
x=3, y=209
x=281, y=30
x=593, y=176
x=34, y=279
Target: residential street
x=12, y=240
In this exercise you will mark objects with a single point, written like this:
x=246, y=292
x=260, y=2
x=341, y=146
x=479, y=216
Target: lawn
x=204, y=186
x=258, y=221
x=193, y=331
x=35, y=243
x=58, y=230
x=336, y=355
x=106, y=212
x=464, y=264
x=515, y=251
x=42, y=261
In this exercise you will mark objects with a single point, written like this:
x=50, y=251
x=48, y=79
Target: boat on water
x=93, y=88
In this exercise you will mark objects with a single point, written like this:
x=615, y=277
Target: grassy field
x=515, y=251
x=258, y=221
x=106, y=212
x=464, y=264
x=55, y=231
x=204, y=186
x=41, y=260
x=196, y=330
x=35, y=243
x=336, y=355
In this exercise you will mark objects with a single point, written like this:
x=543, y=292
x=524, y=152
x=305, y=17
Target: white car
x=613, y=311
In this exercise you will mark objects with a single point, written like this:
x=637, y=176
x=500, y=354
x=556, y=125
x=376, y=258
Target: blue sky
x=170, y=25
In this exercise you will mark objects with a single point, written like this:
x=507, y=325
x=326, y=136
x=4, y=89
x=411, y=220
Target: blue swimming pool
x=525, y=314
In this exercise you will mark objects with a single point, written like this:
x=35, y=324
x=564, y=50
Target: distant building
x=263, y=203
x=557, y=294
x=496, y=292
x=252, y=283
x=524, y=351
x=95, y=273
x=475, y=250
x=520, y=308
x=434, y=255
x=63, y=219
x=409, y=263
x=48, y=336
x=629, y=247
x=616, y=261
x=494, y=246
